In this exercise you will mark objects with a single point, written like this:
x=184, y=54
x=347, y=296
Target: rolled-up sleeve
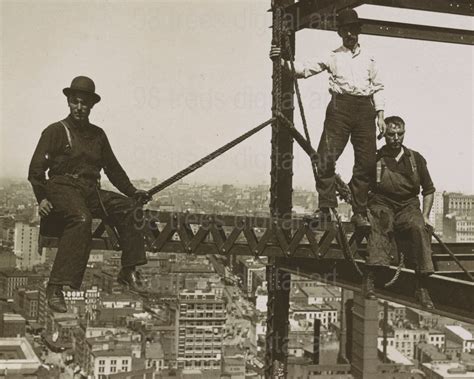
x=425, y=178
x=311, y=67
x=377, y=86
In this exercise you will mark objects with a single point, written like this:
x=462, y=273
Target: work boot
x=55, y=298
x=369, y=285
x=422, y=294
x=361, y=222
x=130, y=278
x=320, y=218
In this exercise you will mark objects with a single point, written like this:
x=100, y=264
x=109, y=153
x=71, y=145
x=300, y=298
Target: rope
x=188, y=170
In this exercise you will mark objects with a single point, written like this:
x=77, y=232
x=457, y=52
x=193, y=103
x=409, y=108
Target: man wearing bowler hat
x=357, y=104
x=73, y=152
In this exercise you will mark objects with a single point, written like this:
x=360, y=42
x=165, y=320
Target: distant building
x=326, y=313
x=201, y=321
x=446, y=370
x=17, y=358
x=436, y=214
x=107, y=362
x=13, y=279
x=458, y=204
x=154, y=356
x=458, y=340
x=12, y=325
x=27, y=303
x=458, y=228
x=26, y=246
x=426, y=353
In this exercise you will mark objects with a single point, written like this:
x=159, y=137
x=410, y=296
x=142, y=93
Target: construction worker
x=398, y=224
x=357, y=104
x=74, y=151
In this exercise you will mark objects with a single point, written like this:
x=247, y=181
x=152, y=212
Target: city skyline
x=185, y=88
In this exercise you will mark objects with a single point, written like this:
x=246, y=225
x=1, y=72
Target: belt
x=349, y=96
x=82, y=176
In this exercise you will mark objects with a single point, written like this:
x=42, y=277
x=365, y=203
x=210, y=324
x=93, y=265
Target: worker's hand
x=142, y=196
x=381, y=124
x=275, y=52
x=45, y=207
x=428, y=225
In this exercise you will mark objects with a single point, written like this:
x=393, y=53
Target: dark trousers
x=396, y=228
x=354, y=117
x=76, y=201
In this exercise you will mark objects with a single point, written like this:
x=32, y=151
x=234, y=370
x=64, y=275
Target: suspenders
x=381, y=165
x=68, y=133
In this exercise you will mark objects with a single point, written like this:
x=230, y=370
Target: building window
x=124, y=361
x=113, y=362
x=113, y=369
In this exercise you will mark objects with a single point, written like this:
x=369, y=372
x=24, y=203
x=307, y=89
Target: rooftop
x=13, y=317
x=460, y=331
x=449, y=370
x=112, y=353
x=17, y=356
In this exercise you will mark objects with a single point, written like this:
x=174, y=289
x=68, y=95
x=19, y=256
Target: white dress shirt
x=351, y=72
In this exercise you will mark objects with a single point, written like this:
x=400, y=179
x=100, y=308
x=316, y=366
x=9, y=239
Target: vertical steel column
x=280, y=206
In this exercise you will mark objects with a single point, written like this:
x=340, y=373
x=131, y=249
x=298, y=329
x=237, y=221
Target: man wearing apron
x=398, y=224
x=73, y=152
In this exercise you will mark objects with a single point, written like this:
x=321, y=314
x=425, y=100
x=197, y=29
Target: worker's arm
x=302, y=70
x=427, y=205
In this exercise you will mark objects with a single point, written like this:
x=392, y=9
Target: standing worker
x=73, y=152
x=397, y=221
x=357, y=101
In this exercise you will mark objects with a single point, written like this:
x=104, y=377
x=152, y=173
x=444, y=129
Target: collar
x=384, y=152
x=70, y=120
x=343, y=49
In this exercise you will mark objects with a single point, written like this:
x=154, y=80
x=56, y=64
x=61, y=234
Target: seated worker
x=396, y=218
x=73, y=152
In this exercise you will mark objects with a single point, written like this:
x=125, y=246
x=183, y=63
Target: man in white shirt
x=357, y=102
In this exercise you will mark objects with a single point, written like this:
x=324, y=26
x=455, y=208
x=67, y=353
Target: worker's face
x=80, y=106
x=350, y=35
x=394, y=136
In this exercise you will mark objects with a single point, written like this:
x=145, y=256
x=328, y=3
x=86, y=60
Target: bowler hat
x=82, y=84
x=347, y=16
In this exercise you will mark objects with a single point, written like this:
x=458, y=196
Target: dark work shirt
x=89, y=154
x=403, y=166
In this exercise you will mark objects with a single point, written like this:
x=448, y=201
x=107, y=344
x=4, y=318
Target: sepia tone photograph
x=237, y=189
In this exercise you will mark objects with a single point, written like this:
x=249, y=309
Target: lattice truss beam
x=304, y=249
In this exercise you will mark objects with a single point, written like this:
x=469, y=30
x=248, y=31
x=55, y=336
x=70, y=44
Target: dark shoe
x=361, y=222
x=55, y=299
x=130, y=279
x=423, y=297
x=369, y=285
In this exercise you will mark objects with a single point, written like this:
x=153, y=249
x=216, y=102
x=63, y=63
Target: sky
x=179, y=79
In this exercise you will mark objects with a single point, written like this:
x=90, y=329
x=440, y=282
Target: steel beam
x=316, y=14
x=392, y=29
x=419, y=32
x=459, y=7
x=452, y=298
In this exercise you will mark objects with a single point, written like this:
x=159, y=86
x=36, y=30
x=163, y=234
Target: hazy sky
x=178, y=79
